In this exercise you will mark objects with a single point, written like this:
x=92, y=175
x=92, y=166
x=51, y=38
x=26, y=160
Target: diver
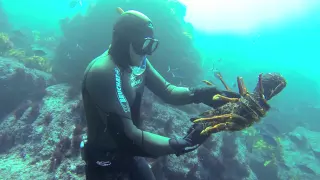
x=112, y=89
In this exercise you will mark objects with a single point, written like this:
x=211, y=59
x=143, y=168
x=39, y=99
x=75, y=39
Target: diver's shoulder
x=103, y=64
x=101, y=75
x=100, y=71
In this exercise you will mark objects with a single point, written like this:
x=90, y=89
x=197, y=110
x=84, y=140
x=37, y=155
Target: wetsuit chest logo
x=122, y=99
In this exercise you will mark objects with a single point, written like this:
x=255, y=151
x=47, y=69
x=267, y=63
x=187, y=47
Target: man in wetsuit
x=112, y=89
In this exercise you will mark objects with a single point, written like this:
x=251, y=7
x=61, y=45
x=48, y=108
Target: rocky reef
x=40, y=139
x=19, y=85
x=30, y=60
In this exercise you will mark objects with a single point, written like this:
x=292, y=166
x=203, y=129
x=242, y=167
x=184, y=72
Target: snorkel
x=139, y=70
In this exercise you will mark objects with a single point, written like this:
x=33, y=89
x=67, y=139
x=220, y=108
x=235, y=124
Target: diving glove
x=205, y=94
x=190, y=142
x=194, y=134
x=182, y=145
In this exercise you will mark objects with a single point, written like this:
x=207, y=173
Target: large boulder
x=45, y=139
x=19, y=84
x=302, y=154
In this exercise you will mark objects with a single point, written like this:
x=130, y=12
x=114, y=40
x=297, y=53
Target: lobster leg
x=224, y=98
x=225, y=122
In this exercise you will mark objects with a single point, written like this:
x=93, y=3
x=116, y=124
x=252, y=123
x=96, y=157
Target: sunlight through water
x=242, y=16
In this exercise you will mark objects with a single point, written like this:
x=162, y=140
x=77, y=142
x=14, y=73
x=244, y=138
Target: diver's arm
x=167, y=92
x=147, y=144
x=139, y=142
x=180, y=95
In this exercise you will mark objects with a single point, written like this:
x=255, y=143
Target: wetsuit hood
x=131, y=27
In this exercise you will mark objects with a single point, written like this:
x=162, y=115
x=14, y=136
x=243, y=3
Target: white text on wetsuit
x=122, y=99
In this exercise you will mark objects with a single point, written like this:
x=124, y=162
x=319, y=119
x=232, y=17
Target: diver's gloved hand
x=182, y=145
x=194, y=134
x=205, y=94
x=190, y=142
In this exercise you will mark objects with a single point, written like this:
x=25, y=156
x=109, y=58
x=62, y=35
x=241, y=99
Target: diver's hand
x=194, y=134
x=182, y=145
x=205, y=94
x=191, y=141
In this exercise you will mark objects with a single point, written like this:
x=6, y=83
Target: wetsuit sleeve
x=167, y=92
x=106, y=90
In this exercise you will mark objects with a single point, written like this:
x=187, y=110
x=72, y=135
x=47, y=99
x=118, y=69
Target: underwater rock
x=19, y=83
x=264, y=172
x=300, y=149
x=162, y=114
x=47, y=143
x=296, y=157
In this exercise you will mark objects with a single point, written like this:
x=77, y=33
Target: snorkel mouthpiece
x=138, y=70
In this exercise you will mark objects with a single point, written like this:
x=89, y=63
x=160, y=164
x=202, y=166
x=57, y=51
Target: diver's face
x=135, y=59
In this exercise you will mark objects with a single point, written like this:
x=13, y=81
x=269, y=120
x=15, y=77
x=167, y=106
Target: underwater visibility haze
x=267, y=52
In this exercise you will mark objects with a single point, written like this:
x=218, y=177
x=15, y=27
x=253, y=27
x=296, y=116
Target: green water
x=283, y=36
x=41, y=15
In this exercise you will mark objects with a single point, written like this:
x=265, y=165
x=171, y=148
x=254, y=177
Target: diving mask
x=138, y=70
x=146, y=46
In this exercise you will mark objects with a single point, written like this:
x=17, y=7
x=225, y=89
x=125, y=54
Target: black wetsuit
x=112, y=99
